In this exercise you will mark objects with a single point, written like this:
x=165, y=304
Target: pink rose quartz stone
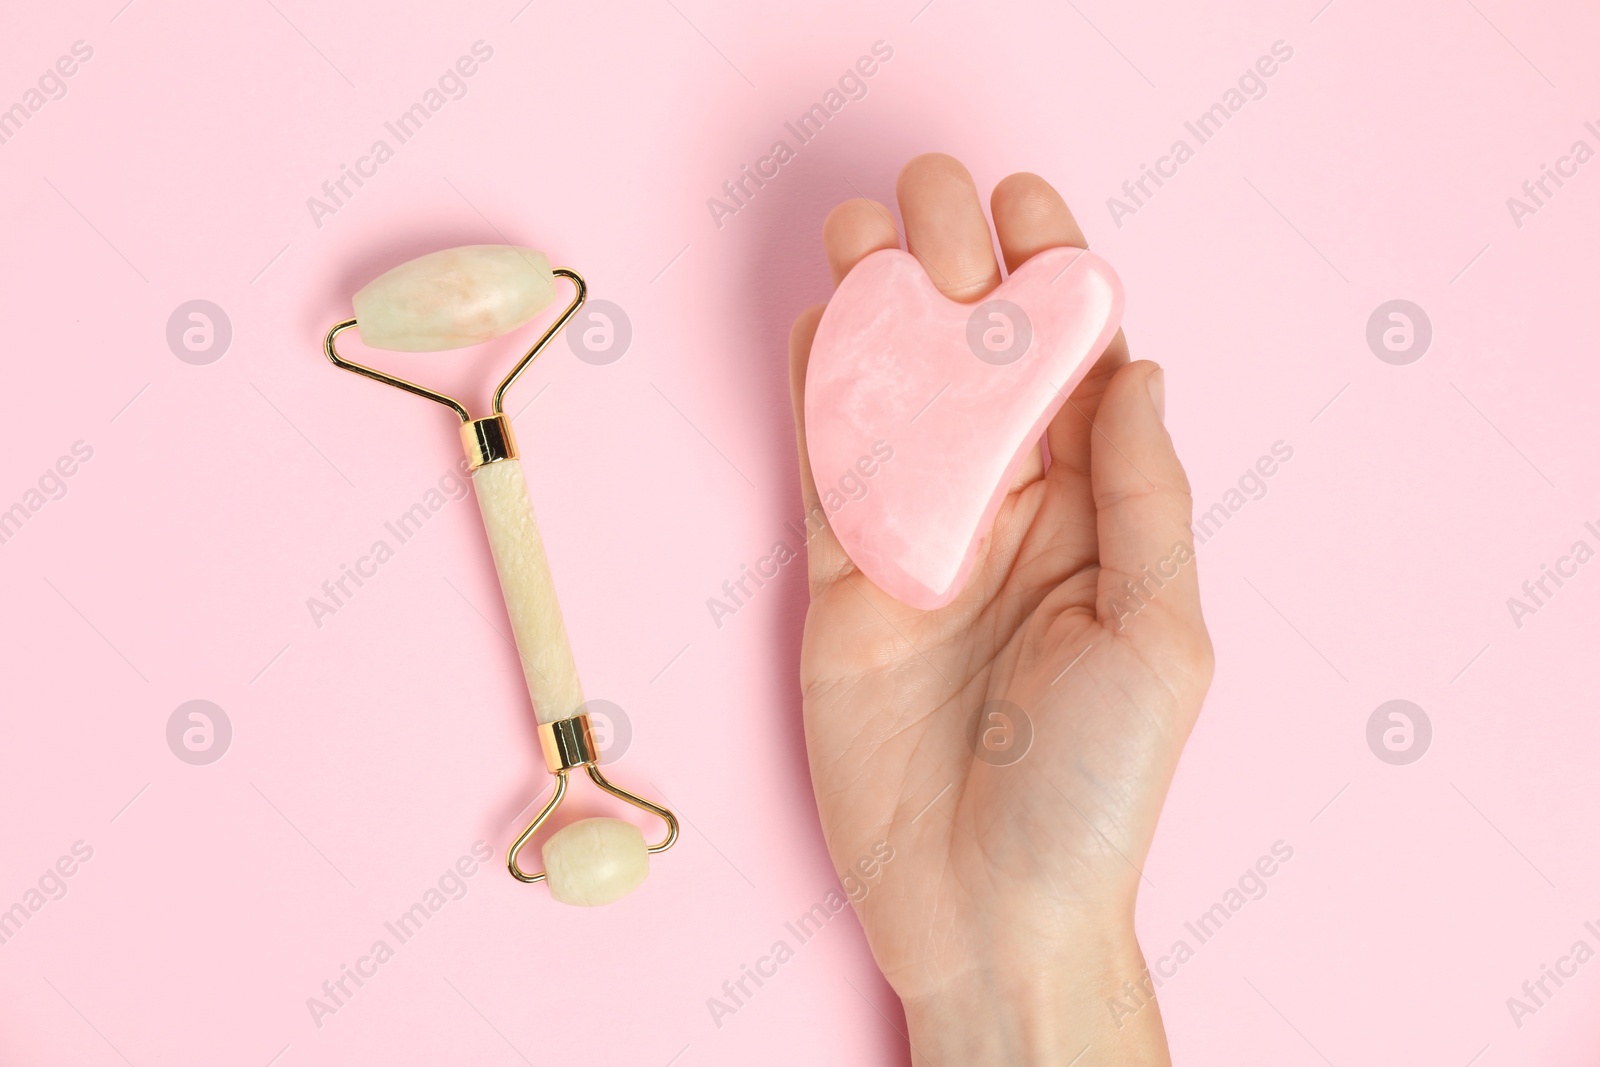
x=919, y=410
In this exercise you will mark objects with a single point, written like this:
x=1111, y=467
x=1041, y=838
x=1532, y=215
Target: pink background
x=370, y=753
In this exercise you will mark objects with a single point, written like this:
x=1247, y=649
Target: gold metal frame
x=568, y=743
x=499, y=400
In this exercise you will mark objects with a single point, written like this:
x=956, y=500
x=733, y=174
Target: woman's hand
x=1012, y=749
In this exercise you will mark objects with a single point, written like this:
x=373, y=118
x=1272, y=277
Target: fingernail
x=1157, y=384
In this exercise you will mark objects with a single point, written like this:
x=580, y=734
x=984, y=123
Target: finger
x=826, y=560
x=1070, y=431
x=800, y=337
x=945, y=226
x=1031, y=470
x=947, y=231
x=854, y=230
x=1068, y=510
x=1147, y=585
x=1029, y=217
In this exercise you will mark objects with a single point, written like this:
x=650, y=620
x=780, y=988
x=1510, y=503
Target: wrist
x=1083, y=1000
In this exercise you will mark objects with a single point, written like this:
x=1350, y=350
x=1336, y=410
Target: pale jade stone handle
x=530, y=595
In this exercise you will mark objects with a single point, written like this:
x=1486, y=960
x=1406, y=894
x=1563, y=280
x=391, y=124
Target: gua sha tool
x=955, y=395
x=460, y=297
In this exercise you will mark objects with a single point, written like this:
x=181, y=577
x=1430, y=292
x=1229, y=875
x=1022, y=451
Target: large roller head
x=595, y=861
x=454, y=298
x=591, y=861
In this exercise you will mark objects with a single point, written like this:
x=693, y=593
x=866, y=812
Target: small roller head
x=454, y=298
x=595, y=861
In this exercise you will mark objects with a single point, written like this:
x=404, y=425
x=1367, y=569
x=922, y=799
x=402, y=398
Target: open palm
x=1011, y=750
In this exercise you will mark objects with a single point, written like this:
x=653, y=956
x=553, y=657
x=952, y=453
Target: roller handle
x=530, y=594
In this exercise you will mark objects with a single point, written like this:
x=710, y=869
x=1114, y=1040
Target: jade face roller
x=465, y=296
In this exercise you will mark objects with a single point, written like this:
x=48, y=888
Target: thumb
x=1148, y=588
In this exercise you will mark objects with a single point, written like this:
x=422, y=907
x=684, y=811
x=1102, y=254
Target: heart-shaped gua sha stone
x=919, y=410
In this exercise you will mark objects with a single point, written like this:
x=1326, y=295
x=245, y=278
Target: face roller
x=452, y=299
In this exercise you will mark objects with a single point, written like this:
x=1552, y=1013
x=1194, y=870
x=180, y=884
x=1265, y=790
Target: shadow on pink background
x=371, y=751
